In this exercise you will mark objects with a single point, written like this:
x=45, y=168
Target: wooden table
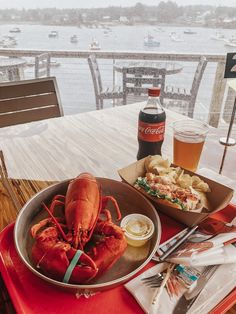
x=12, y=68
x=100, y=142
x=170, y=67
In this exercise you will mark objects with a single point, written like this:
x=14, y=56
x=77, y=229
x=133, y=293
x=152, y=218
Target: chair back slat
x=29, y=100
x=26, y=88
x=137, y=80
x=36, y=114
x=97, y=81
x=196, y=84
x=42, y=65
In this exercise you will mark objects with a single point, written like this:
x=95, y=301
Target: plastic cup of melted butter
x=138, y=229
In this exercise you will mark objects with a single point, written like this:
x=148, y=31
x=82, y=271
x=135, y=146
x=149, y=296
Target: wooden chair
x=137, y=80
x=101, y=93
x=42, y=65
x=186, y=99
x=29, y=100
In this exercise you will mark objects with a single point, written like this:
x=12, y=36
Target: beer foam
x=189, y=137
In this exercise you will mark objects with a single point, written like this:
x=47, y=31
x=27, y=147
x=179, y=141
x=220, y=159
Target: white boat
x=218, y=36
x=53, y=34
x=15, y=30
x=189, y=32
x=175, y=37
x=8, y=42
x=74, y=39
x=149, y=41
x=94, y=45
x=231, y=42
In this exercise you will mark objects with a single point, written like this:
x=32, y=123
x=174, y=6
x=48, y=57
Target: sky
x=33, y=4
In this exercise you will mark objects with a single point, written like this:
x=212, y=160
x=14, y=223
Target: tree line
x=164, y=12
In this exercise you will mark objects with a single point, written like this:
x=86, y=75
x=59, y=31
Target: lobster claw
x=58, y=264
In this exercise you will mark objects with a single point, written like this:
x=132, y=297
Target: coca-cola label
x=151, y=132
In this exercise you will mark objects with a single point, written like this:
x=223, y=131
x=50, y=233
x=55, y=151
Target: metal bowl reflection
x=132, y=261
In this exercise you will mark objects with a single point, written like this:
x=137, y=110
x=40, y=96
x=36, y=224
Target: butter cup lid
x=137, y=227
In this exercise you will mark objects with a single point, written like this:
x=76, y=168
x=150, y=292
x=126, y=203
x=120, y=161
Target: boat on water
x=175, y=37
x=94, y=45
x=15, y=30
x=218, y=36
x=231, y=42
x=53, y=34
x=149, y=41
x=189, y=32
x=74, y=39
x=8, y=42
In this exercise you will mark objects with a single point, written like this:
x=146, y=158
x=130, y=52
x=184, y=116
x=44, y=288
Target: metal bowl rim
x=92, y=286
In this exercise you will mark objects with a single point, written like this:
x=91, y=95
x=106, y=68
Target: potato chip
x=202, y=187
x=184, y=181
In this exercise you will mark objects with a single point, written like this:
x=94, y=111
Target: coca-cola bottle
x=151, y=125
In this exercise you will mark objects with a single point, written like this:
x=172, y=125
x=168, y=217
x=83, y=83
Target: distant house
x=123, y=19
x=106, y=18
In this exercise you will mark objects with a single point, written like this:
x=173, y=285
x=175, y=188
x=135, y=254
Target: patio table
x=12, y=68
x=100, y=142
x=170, y=67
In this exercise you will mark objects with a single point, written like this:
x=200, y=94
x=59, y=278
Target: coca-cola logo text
x=150, y=130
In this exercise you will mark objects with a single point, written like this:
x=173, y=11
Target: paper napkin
x=218, y=286
x=144, y=295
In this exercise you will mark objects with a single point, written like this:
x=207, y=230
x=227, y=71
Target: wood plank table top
x=100, y=142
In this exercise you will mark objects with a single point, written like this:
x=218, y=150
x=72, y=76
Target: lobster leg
x=57, y=200
x=105, y=199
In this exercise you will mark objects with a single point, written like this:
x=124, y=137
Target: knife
x=177, y=243
x=201, y=282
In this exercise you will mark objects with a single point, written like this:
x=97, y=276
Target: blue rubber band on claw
x=72, y=265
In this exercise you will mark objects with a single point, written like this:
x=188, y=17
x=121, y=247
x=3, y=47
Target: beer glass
x=189, y=138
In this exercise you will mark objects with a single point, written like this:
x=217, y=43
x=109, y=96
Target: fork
x=158, y=281
x=153, y=281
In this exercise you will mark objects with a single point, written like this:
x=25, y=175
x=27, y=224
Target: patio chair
x=137, y=80
x=100, y=92
x=42, y=65
x=186, y=100
x=29, y=100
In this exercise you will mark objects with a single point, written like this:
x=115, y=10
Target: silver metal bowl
x=132, y=261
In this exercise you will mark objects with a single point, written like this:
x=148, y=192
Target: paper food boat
x=218, y=198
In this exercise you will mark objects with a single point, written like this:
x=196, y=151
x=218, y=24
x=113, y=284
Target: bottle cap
x=154, y=91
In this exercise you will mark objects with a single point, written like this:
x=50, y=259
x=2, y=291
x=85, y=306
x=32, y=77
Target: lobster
x=62, y=247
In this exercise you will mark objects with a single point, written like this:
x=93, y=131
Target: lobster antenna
x=55, y=221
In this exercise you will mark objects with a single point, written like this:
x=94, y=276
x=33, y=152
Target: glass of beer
x=189, y=138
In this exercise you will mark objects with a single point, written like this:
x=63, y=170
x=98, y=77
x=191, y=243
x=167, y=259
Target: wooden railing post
x=217, y=95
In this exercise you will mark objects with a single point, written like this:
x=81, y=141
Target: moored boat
x=189, y=31
x=94, y=45
x=74, y=39
x=218, y=36
x=175, y=37
x=53, y=34
x=149, y=41
x=15, y=30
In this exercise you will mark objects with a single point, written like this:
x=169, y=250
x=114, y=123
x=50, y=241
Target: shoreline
x=114, y=24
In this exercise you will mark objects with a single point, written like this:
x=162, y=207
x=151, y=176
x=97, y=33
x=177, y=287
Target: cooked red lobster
x=82, y=244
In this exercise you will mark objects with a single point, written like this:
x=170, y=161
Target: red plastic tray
x=30, y=294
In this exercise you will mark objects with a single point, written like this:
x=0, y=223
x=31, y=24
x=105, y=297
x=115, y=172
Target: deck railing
x=76, y=61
